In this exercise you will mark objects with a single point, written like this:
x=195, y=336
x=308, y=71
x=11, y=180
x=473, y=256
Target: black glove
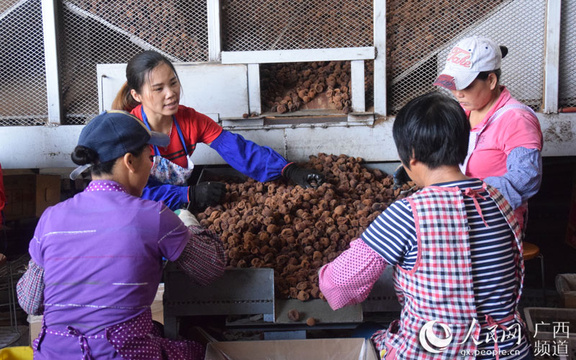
x=400, y=177
x=304, y=177
x=206, y=194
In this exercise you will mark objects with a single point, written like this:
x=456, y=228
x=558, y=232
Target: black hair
x=483, y=75
x=432, y=129
x=140, y=66
x=498, y=72
x=83, y=155
x=137, y=72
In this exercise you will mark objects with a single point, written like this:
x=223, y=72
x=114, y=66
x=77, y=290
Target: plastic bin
x=16, y=353
x=566, y=287
x=549, y=336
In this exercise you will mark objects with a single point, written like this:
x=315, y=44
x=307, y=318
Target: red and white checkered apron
x=440, y=286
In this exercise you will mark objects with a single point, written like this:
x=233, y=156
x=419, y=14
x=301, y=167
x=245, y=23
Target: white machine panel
x=219, y=91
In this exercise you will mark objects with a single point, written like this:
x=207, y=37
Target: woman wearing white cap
x=505, y=138
x=96, y=259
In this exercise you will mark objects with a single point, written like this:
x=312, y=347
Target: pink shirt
x=514, y=128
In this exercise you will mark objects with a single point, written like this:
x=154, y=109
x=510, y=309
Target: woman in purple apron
x=505, y=138
x=455, y=246
x=152, y=93
x=97, y=258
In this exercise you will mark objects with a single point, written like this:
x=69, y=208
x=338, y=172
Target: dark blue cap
x=114, y=133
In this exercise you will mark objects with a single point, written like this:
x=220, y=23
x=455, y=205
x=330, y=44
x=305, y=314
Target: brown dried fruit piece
x=294, y=230
x=303, y=295
x=293, y=315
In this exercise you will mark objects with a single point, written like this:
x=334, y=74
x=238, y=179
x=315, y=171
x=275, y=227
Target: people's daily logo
x=433, y=343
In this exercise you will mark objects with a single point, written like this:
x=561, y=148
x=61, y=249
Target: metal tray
x=250, y=291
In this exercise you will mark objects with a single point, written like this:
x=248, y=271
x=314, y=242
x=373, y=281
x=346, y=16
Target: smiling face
x=160, y=95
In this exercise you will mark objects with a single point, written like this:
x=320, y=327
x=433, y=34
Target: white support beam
x=51, y=145
x=50, y=27
x=254, y=101
x=214, y=35
x=552, y=56
x=358, y=91
x=302, y=55
x=380, y=106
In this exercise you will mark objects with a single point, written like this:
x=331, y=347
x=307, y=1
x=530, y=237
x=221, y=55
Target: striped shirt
x=393, y=236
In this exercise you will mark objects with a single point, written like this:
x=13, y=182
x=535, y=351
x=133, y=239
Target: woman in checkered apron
x=455, y=246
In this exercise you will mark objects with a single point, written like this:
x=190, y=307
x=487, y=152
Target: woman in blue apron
x=152, y=93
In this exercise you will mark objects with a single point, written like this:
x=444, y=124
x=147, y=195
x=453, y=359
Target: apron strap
x=86, y=353
x=36, y=343
x=473, y=137
x=70, y=331
x=180, y=135
x=493, y=325
x=475, y=194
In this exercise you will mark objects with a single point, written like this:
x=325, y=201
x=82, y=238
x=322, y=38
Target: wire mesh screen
x=22, y=71
x=418, y=44
x=567, y=91
x=102, y=32
x=300, y=24
x=296, y=24
x=419, y=36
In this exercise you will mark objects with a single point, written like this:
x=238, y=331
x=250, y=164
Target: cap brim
x=158, y=139
x=456, y=80
x=445, y=81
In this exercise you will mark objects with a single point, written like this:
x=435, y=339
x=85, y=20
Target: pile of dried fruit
x=287, y=87
x=295, y=230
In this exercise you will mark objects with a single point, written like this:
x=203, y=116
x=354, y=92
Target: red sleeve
x=197, y=127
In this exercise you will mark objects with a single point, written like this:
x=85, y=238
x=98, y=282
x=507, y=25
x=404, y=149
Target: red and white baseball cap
x=467, y=59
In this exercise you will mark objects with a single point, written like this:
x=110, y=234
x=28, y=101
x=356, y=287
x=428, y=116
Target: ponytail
x=124, y=100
